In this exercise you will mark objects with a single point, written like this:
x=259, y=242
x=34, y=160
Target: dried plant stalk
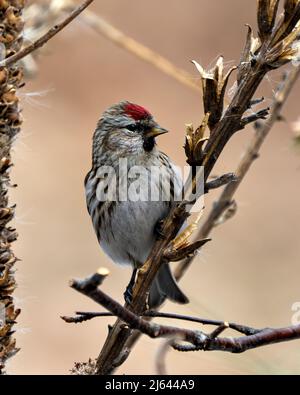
x=12, y=24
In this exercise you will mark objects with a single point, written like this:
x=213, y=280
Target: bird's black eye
x=132, y=127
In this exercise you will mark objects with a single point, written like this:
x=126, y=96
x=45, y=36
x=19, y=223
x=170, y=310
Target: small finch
x=127, y=228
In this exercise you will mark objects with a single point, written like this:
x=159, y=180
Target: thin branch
x=86, y=316
x=220, y=181
x=198, y=339
x=254, y=102
x=261, y=114
x=113, y=34
x=90, y=289
x=220, y=329
x=160, y=359
x=40, y=15
x=246, y=330
x=184, y=347
x=46, y=37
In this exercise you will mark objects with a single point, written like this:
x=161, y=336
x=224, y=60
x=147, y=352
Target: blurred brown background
x=249, y=273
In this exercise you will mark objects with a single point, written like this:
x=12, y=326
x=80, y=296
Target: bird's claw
x=128, y=295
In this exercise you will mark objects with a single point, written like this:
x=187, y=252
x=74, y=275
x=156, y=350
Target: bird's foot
x=128, y=294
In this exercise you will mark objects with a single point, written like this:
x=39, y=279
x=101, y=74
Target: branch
x=89, y=287
x=220, y=182
x=113, y=34
x=46, y=37
x=82, y=316
x=41, y=15
x=239, y=345
x=197, y=340
x=261, y=114
x=248, y=159
x=160, y=360
x=86, y=316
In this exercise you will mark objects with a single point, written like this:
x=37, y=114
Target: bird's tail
x=165, y=286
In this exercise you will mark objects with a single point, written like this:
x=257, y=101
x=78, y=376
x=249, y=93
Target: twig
x=261, y=114
x=160, y=360
x=220, y=181
x=220, y=329
x=246, y=330
x=85, y=316
x=139, y=50
x=40, y=16
x=46, y=37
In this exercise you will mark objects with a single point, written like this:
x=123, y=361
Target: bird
x=126, y=227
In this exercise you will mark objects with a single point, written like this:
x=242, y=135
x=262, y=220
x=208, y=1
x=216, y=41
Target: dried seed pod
x=5, y=163
x=12, y=236
x=18, y=4
x=13, y=19
x=175, y=255
x=5, y=212
x=16, y=76
x=289, y=8
x=266, y=16
x=4, y=4
x=4, y=276
x=3, y=76
x=5, y=257
x=214, y=84
x=10, y=96
x=194, y=142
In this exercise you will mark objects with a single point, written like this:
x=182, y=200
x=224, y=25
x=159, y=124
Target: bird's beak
x=155, y=131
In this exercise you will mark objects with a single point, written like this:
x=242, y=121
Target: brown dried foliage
x=11, y=26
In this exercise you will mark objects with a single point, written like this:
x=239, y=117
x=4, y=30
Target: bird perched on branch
x=126, y=209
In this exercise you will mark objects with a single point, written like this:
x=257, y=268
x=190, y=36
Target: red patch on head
x=136, y=112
